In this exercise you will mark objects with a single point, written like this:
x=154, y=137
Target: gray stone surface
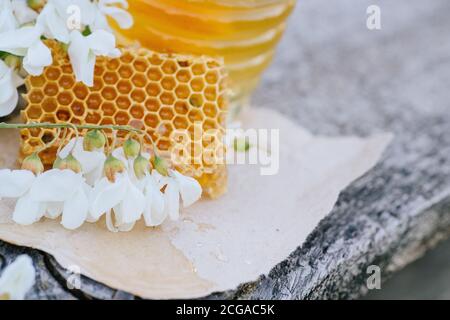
x=334, y=76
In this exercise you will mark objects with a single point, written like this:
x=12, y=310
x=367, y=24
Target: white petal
x=109, y=223
x=172, y=200
x=14, y=184
x=7, y=20
x=7, y=107
x=190, y=189
x=55, y=25
x=132, y=205
x=55, y=185
x=75, y=210
x=23, y=12
x=54, y=209
x=82, y=60
x=28, y=211
x=17, y=278
x=38, y=57
x=18, y=41
x=154, y=213
x=102, y=43
x=107, y=195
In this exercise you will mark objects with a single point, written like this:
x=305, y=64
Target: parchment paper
x=217, y=244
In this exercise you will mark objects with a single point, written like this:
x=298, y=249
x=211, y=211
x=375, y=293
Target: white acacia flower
x=59, y=192
x=91, y=161
x=50, y=194
x=26, y=42
x=154, y=213
x=122, y=197
x=7, y=19
x=83, y=51
x=179, y=185
x=17, y=279
x=23, y=13
x=114, y=9
x=9, y=81
x=54, y=24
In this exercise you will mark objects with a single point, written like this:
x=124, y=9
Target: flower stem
x=48, y=125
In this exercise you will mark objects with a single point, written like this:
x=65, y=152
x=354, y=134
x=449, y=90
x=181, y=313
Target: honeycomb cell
x=181, y=107
x=99, y=70
x=155, y=60
x=36, y=96
x=138, y=95
x=93, y=118
x=127, y=58
x=81, y=91
x=210, y=93
x=63, y=115
x=182, y=91
x=152, y=104
x=196, y=100
x=198, y=69
x=180, y=122
x=110, y=78
x=195, y=116
x=34, y=113
x=151, y=120
x=65, y=98
x=139, y=80
x=52, y=73
x=122, y=118
x=113, y=64
x=212, y=77
x=140, y=65
x=183, y=76
x=66, y=82
x=197, y=84
x=153, y=89
x=155, y=92
x=109, y=93
x=124, y=86
x=168, y=83
x=137, y=112
x=108, y=108
x=77, y=108
x=166, y=113
x=38, y=82
x=169, y=67
x=125, y=72
x=210, y=110
x=51, y=89
x=94, y=101
x=167, y=98
x=154, y=74
x=123, y=102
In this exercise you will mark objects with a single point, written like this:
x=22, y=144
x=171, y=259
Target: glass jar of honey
x=243, y=32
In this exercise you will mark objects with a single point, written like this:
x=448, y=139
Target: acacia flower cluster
x=87, y=182
x=80, y=26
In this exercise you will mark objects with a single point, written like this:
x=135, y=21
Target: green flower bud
x=112, y=167
x=94, y=139
x=160, y=165
x=241, y=144
x=36, y=4
x=69, y=163
x=131, y=148
x=33, y=163
x=141, y=167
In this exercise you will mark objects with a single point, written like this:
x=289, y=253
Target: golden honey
x=243, y=32
x=161, y=92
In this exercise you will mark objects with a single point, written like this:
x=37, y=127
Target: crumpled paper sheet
x=218, y=244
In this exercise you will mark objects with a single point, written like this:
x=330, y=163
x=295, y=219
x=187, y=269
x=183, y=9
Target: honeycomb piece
x=158, y=92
